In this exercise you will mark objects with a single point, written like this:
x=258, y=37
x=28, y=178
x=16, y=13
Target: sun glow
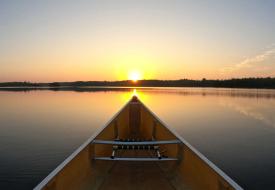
x=134, y=76
x=135, y=92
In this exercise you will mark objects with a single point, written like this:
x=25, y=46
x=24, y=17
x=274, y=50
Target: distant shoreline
x=253, y=83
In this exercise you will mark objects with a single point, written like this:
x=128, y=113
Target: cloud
x=251, y=62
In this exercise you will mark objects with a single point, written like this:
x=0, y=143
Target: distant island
x=267, y=83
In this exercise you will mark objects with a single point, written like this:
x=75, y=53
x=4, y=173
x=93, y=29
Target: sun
x=134, y=76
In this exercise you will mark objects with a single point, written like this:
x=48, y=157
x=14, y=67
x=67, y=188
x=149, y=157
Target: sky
x=58, y=40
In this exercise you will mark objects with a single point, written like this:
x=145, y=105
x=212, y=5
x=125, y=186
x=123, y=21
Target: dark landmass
x=263, y=83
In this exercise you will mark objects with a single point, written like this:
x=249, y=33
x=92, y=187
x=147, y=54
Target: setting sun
x=134, y=76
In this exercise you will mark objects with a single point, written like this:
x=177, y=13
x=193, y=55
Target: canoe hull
x=191, y=170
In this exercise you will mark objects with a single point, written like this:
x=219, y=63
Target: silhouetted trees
x=231, y=83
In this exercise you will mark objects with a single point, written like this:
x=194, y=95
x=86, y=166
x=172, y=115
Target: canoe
x=136, y=150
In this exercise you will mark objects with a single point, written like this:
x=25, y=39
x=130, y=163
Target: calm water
x=235, y=129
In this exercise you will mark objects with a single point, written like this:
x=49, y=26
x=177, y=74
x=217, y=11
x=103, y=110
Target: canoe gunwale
x=47, y=179
x=200, y=155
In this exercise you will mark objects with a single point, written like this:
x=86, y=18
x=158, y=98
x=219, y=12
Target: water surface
x=235, y=129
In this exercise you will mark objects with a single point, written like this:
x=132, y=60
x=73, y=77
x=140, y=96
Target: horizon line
x=225, y=79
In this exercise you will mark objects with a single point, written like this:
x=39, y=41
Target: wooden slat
x=136, y=142
x=134, y=159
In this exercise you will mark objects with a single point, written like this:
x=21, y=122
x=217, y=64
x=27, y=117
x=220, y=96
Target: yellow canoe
x=136, y=150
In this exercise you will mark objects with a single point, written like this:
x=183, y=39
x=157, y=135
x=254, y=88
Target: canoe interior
x=135, y=121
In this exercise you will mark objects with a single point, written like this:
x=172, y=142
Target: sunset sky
x=56, y=40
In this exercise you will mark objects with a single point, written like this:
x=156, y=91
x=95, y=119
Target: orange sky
x=69, y=41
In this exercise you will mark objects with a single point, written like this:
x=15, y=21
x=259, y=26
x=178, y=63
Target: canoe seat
x=137, y=145
x=138, y=142
x=134, y=159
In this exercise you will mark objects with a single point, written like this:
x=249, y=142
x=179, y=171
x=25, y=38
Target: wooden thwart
x=136, y=142
x=134, y=159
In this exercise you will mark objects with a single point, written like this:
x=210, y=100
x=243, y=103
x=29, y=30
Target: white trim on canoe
x=200, y=155
x=76, y=152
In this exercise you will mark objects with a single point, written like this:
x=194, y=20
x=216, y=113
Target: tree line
x=268, y=83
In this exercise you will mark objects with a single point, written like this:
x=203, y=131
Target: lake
x=234, y=128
